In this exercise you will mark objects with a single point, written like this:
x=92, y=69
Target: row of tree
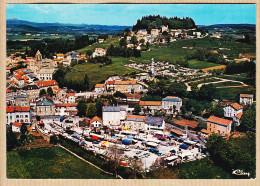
x=123, y=52
x=156, y=21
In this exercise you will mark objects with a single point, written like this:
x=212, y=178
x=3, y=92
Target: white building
x=232, y=109
x=135, y=122
x=70, y=98
x=154, y=124
x=113, y=116
x=142, y=32
x=169, y=102
x=99, y=52
x=45, y=74
x=96, y=122
x=18, y=114
x=16, y=127
x=100, y=88
x=246, y=99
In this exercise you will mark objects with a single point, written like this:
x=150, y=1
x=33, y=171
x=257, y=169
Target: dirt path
x=88, y=162
x=221, y=80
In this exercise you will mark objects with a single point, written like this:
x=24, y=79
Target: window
x=17, y=116
x=26, y=116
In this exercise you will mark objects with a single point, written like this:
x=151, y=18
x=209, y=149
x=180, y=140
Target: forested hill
x=151, y=21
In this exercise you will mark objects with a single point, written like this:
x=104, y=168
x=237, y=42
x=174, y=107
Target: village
x=160, y=114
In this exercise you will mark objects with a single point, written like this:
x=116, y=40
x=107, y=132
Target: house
x=246, y=99
x=155, y=32
x=204, y=133
x=96, y=122
x=142, y=76
x=128, y=86
x=150, y=106
x=171, y=104
x=142, y=32
x=61, y=94
x=70, y=98
x=219, y=125
x=22, y=100
x=237, y=118
x=100, y=88
x=113, y=116
x=65, y=109
x=99, y=52
x=197, y=34
x=135, y=122
x=46, y=74
x=18, y=114
x=101, y=40
x=16, y=127
x=128, y=38
x=45, y=107
x=232, y=109
x=154, y=124
x=46, y=84
x=165, y=28
x=32, y=91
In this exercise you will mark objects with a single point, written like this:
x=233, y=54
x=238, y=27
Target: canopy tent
x=154, y=150
x=183, y=146
x=159, y=133
x=126, y=141
x=123, y=163
x=126, y=128
x=75, y=140
x=186, y=153
x=128, y=132
x=160, y=137
x=180, y=140
x=130, y=137
x=83, y=143
x=94, y=137
x=152, y=144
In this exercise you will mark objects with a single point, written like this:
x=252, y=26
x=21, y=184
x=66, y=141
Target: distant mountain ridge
x=228, y=25
x=62, y=27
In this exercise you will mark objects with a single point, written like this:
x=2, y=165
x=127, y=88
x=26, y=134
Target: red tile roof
x=205, y=131
x=150, y=103
x=126, y=82
x=47, y=83
x=219, y=120
x=17, y=109
x=239, y=115
x=65, y=104
x=19, y=125
x=111, y=82
x=246, y=95
x=136, y=116
x=99, y=85
x=235, y=106
x=8, y=90
x=96, y=119
x=70, y=94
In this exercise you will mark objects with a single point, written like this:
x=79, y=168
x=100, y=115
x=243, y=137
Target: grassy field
x=196, y=64
x=51, y=162
x=232, y=93
x=104, y=45
x=199, y=169
x=223, y=84
x=97, y=74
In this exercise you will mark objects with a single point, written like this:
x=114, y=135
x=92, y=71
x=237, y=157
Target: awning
x=94, y=137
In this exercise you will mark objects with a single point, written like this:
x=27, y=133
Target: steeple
x=38, y=56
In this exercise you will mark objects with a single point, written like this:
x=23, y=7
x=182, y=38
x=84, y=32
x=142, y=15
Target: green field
x=232, y=93
x=104, y=45
x=97, y=74
x=196, y=64
x=54, y=162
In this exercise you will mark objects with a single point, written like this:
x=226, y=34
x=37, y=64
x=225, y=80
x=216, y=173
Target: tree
x=53, y=139
x=201, y=125
x=194, y=86
x=91, y=111
x=89, y=53
x=183, y=110
x=248, y=120
x=99, y=106
x=137, y=108
x=11, y=140
x=24, y=129
x=82, y=108
x=137, y=166
x=119, y=94
x=50, y=91
x=147, y=45
x=207, y=92
x=218, y=111
x=86, y=82
x=42, y=92
x=123, y=42
x=127, y=31
x=142, y=41
x=134, y=40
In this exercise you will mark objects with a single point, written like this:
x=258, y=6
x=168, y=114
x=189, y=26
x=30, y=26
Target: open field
x=196, y=64
x=51, y=162
x=97, y=74
x=233, y=92
x=104, y=45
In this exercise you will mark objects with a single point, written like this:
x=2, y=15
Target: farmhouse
x=232, y=109
x=219, y=125
x=246, y=99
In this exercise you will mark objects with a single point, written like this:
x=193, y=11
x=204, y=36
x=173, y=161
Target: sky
x=127, y=14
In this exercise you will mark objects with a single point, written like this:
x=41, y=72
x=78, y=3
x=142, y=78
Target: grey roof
x=154, y=121
x=21, y=96
x=111, y=109
x=173, y=99
x=45, y=102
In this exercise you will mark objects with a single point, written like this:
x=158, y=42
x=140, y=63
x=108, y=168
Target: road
x=189, y=134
